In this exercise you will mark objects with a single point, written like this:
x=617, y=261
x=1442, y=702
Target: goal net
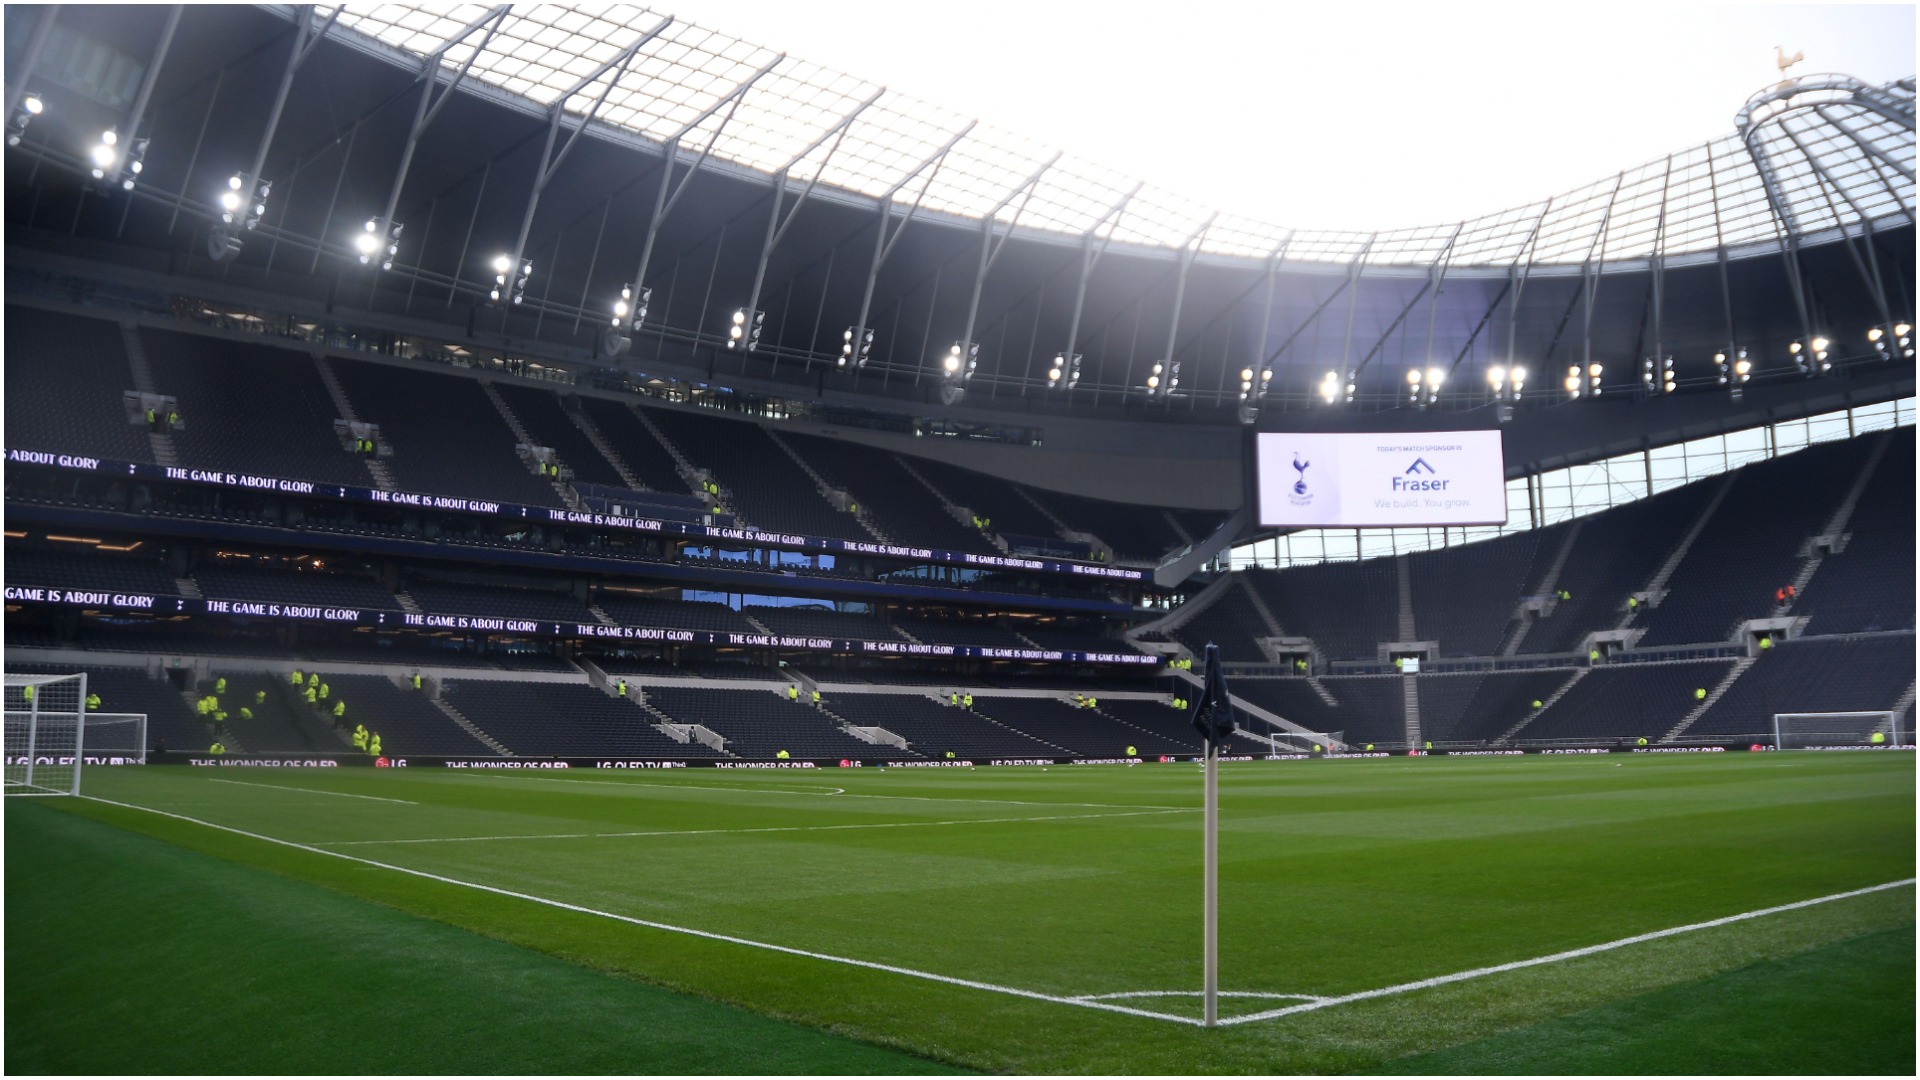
x=1800, y=730
x=1303, y=742
x=45, y=733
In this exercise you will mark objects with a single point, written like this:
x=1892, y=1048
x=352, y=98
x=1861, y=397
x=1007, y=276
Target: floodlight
x=30, y=107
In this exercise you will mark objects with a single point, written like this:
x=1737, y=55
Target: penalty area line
x=313, y=791
x=870, y=965
x=1570, y=954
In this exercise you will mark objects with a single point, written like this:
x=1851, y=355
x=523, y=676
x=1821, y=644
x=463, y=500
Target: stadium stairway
x=584, y=421
x=460, y=720
x=560, y=488
x=1546, y=703
x=1713, y=697
x=1836, y=526
x=1548, y=585
x=382, y=476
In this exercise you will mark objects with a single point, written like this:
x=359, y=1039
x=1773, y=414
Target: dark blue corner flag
x=1213, y=712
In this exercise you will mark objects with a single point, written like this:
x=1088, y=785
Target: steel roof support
x=1590, y=271
x=882, y=243
x=429, y=109
x=31, y=61
x=1405, y=310
x=990, y=249
x=1531, y=247
x=1868, y=145
x=668, y=194
x=1870, y=275
x=1189, y=248
x=1437, y=280
x=1353, y=301
x=160, y=48
x=1274, y=259
x=303, y=47
x=776, y=226
x=1657, y=267
x=1720, y=253
x=1785, y=231
x=550, y=162
x=1090, y=258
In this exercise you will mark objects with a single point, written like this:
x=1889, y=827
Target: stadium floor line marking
x=764, y=829
x=871, y=965
x=843, y=793
x=312, y=791
x=1570, y=954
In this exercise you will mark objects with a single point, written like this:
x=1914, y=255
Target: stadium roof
x=1848, y=157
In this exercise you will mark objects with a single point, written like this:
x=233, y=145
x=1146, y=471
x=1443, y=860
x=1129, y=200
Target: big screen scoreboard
x=1380, y=479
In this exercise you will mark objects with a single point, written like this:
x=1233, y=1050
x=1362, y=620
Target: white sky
x=1334, y=115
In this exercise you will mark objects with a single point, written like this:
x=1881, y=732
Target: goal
x=1303, y=742
x=1798, y=730
x=45, y=733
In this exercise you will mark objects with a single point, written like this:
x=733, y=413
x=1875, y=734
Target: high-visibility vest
x=339, y=708
x=325, y=690
x=93, y=701
x=312, y=694
x=623, y=688
x=816, y=697
x=246, y=713
x=313, y=680
x=217, y=749
x=416, y=680
x=374, y=746
x=293, y=677
x=259, y=696
x=220, y=685
x=793, y=693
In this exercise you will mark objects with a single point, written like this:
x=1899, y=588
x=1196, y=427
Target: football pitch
x=1710, y=912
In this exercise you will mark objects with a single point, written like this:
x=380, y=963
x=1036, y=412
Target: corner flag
x=1213, y=712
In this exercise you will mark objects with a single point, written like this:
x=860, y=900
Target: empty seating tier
x=406, y=720
x=228, y=582
x=759, y=724
x=1811, y=675
x=933, y=730
x=1628, y=701
x=251, y=408
x=447, y=598
x=770, y=490
x=1086, y=732
x=652, y=465
x=75, y=569
x=901, y=506
x=547, y=424
x=563, y=720
x=447, y=437
x=1752, y=544
x=66, y=381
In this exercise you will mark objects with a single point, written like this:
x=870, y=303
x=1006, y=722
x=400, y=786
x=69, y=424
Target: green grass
x=1842, y=1009
x=1336, y=877
x=225, y=969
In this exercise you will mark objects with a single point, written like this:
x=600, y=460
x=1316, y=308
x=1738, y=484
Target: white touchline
x=870, y=965
x=311, y=791
x=1014, y=991
x=765, y=829
x=1570, y=954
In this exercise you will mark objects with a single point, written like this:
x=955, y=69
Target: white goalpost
x=45, y=733
x=1799, y=730
x=1301, y=742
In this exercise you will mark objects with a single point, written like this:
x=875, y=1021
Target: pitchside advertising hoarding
x=1380, y=480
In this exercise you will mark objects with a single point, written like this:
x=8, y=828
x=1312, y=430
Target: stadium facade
x=568, y=386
